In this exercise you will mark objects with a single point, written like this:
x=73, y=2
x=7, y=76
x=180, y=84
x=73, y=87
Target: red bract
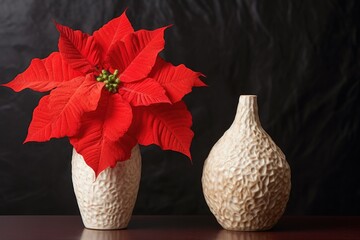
x=109, y=92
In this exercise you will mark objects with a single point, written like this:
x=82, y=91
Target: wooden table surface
x=175, y=227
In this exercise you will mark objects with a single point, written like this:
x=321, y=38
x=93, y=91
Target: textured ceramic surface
x=246, y=179
x=108, y=201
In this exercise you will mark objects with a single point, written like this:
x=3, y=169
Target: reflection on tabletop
x=236, y=235
x=89, y=234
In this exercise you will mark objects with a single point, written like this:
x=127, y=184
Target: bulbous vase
x=246, y=178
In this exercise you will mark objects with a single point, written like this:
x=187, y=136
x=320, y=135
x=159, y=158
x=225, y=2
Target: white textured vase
x=108, y=201
x=246, y=179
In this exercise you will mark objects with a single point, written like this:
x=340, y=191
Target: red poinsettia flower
x=110, y=91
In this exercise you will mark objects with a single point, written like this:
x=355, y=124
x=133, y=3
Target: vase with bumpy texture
x=246, y=179
x=107, y=202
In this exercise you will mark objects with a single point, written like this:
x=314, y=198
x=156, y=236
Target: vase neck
x=247, y=112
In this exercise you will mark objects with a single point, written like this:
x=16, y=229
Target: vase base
x=248, y=229
x=106, y=229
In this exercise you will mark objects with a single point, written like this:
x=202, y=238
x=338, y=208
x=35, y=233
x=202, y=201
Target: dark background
x=300, y=57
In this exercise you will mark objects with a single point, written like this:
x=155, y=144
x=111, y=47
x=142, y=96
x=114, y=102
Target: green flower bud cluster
x=111, y=80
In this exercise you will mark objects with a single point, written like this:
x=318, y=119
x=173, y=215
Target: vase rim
x=248, y=95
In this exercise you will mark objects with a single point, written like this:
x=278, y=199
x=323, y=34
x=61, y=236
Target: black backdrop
x=300, y=57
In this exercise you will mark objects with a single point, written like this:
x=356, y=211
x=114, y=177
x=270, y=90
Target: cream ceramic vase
x=107, y=202
x=246, y=179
